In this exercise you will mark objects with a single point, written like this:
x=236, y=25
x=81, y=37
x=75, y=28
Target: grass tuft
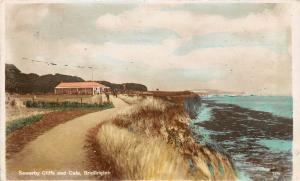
x=140, y=157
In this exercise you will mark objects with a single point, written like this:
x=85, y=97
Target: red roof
x=79, y=85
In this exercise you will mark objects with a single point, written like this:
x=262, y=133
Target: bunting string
x=56, y=64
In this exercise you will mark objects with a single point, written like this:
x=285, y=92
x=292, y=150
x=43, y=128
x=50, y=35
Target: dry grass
x=140, y=157
x=15, y=108
x=155, y=117
x=130, y=99
x=15, y=113
x=150, y=158
x=151, y=140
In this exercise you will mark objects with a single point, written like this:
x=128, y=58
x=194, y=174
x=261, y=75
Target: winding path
x=60, y=149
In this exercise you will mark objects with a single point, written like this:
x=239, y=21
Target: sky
x=171, y=46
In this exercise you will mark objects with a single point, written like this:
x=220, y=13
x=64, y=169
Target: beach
x=259, y=142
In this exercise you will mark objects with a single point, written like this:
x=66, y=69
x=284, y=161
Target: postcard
x=149, y=90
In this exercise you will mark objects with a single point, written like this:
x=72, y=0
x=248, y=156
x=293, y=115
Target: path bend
x=61, y=148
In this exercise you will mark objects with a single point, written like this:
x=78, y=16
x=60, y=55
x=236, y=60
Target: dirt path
x=60, y=149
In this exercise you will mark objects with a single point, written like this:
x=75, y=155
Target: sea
x=255, y=131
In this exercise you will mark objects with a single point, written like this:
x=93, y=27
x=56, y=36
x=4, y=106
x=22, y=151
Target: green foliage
x=128, y=86
x=16, y=81
x=66, y=104
x=20, y=123
x=62, y=106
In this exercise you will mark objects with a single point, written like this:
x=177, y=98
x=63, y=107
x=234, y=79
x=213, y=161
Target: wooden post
x=154, y=116
x=81, y=101
x=100, y=98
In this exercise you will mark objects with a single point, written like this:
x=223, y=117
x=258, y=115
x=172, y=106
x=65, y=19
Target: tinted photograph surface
x=139, y=91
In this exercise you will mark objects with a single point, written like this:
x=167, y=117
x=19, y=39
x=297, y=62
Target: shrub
x=20, y=123
x=66, y=104
x=13, y=102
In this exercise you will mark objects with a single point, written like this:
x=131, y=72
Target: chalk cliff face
x=192, y=105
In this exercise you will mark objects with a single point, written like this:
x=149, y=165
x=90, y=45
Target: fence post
x=154, y=116
x=100, y=98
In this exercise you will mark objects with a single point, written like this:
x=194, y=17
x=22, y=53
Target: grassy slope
x=137, y=157
x=151, y=140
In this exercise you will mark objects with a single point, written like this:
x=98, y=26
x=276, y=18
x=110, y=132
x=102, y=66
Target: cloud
x=276, y=41
x=23, y=17
x=246, y=52
x=228, y=10
x=250, y=69
x=229, y=68
x=188, y=24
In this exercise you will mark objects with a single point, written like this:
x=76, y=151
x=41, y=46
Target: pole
x=100, y=98
x=154, y=116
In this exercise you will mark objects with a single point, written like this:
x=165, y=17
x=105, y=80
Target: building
x=80, y=88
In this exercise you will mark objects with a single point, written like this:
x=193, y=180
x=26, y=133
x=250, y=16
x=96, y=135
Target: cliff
x=152, y=140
